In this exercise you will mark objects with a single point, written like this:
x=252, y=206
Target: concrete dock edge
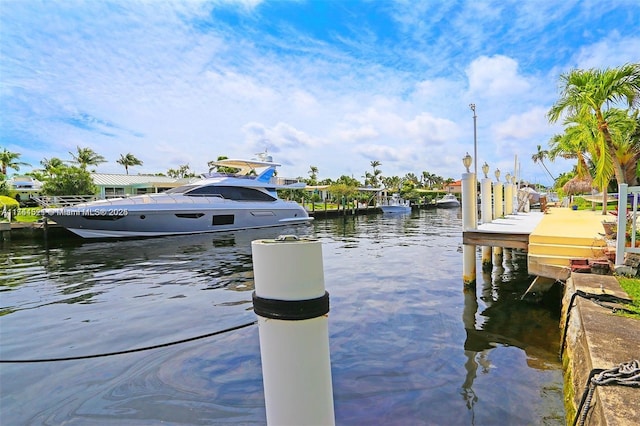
x=596, y=337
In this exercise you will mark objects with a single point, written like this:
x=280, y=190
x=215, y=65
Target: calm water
x=408, y=346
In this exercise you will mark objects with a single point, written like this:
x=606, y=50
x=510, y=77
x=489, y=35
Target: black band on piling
x=291, y=310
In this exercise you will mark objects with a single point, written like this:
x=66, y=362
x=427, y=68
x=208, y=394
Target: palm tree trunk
x=617, y=167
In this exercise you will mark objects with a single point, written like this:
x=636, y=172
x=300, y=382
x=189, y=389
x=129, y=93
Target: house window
x=113, y=191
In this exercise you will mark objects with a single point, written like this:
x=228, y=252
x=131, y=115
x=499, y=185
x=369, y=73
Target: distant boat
x=449, y=201
x=242, y=199
x=395, y=204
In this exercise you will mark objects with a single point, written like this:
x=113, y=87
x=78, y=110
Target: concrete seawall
x=597, y=338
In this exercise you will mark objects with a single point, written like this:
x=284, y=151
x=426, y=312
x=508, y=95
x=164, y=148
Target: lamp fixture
x=466, y=160
x=485, y=170
x=497, y=173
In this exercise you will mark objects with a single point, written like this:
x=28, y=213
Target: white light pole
x=475, y=142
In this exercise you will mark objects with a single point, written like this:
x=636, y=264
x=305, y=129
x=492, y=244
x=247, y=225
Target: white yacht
x=449, y=201
x=243, y=199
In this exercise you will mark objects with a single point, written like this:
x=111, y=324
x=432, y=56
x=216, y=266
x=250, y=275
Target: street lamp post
x=475, y=143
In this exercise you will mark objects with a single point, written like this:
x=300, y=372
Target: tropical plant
x=52, y=166
x=128, y=160
x=392, y=183
x=183, y=171
x=86, y=157
x=70, y=181
x=540, y=156
x=8, y=207
x=374, y=178
x=583, y=140
x=9, y=160
x=313, y=175
x=595, y=91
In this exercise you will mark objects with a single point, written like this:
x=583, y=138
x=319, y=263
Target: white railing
x=62, y=200
x=624, y=218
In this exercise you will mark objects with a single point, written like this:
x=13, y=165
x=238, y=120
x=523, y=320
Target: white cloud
x=174, y=84
x=530, y=124
x=495, y=77
x=612, y=51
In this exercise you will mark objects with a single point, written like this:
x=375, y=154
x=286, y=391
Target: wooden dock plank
x=511, y=231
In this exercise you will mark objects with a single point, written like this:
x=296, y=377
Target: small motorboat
x=449, y=201
x=395, y=204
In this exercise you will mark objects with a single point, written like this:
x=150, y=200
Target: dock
x=552, y=239
x=511, y=231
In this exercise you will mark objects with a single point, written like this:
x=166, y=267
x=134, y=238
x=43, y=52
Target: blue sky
x=330, y=84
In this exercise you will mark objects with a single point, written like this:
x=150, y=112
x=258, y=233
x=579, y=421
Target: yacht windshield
x=180, y=189
x=236, y=193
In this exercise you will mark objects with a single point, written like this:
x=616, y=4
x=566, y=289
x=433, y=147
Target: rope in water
x=626, y=374
x=129, y=351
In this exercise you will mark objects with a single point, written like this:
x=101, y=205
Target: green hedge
x=8, y=204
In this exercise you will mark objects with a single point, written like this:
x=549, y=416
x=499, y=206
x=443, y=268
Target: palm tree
x=52, y=166
x=594, y=90
x=128, y=160
x=313, y=175
x=87, y=157
x=9, y=160
x=583, y=140
x=376, y=173
x=540, y=156
x=182, y=172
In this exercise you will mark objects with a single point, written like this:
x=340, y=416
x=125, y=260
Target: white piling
x=486, y=217
x=498, y=206
x=497, y=256
x=292, y=307
x=469, y=211
x=486, y=202
x=508, y=198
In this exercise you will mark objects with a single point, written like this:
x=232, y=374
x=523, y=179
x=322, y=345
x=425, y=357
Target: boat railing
x=62, y=200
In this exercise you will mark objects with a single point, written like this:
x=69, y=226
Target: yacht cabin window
x=236, y=193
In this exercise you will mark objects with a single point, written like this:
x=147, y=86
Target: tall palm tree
x=313, y=174
x=87, y=157
x=128, y=160
x=52, y=166
x=9, y=160
x=594, y=90
x=583, y=140
x=540, y=156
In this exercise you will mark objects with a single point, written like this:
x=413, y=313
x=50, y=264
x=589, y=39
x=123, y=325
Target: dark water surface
x=408, y=345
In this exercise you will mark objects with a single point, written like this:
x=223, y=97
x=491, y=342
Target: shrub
x=8, y=204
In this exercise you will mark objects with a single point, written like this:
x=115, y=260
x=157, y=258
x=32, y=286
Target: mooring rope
x=129, y=351
x=598, y=299
x=626, y=374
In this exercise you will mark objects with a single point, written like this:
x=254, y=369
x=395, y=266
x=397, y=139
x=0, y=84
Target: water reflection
x=400, y=352
x=499, y=318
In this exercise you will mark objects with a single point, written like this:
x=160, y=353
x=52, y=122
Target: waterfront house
x=117, y=185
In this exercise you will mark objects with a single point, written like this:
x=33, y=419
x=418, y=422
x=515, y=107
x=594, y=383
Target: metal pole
x=475, y=141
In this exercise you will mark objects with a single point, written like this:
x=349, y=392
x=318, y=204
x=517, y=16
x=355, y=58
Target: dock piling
x=292, y=307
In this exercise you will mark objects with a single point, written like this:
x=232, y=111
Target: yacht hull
x=102, y=222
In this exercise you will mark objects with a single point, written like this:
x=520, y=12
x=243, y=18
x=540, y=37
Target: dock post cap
x=289, y=238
